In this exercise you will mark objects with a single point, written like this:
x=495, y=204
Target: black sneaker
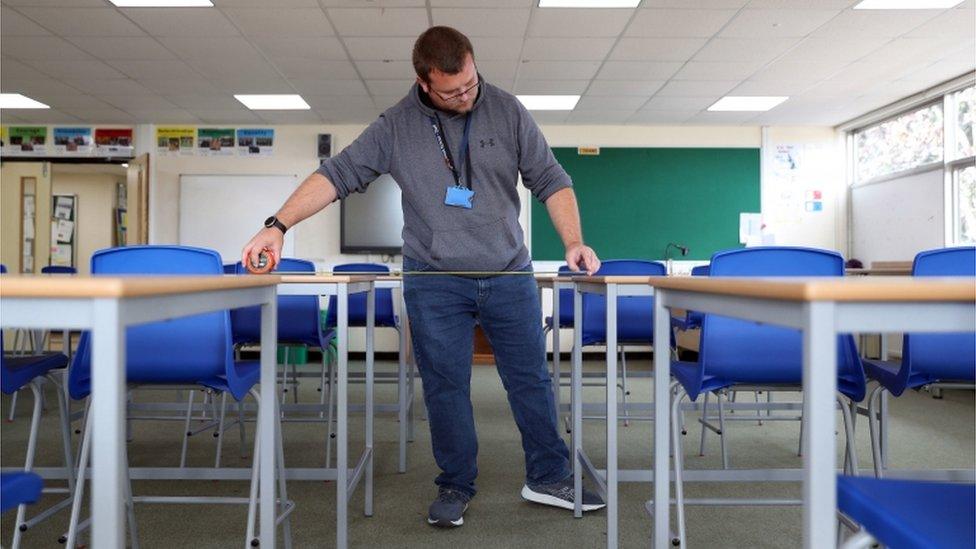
x=448, y=509
x=561, y=494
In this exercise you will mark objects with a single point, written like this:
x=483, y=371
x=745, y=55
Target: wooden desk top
x=617, y=279
x=881, y=271
x=43, y=286
x=325, y=278
x=896, y=289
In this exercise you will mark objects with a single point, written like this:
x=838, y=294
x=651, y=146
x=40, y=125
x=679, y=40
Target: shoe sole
x=448, y=523
x=545, y=499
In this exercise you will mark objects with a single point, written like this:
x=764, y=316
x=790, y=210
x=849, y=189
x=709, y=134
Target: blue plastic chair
x=565, y=304
x=58, y=269
x=692, y=319
x=926, y=358
x=909, y=514
x=383, y=300
x=195, y=350
x=18, y=372
x=742, y=353
x=18, y=489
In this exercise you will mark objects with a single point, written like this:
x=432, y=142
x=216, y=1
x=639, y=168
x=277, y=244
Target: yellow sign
x=174, y=141
x=588, y=151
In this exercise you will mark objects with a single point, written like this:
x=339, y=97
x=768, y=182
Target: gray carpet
x=925, y=433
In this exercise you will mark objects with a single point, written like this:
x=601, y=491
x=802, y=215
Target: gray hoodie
x=504, y=141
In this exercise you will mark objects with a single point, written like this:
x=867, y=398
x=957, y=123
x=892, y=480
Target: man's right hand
x=267, y=239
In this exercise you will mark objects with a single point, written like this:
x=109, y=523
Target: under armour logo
x=489, y=143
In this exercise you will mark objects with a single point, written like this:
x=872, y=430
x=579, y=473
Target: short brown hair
x=441, y=48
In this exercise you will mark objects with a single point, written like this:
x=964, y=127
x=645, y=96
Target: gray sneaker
x=448, y=509
x=561, y=494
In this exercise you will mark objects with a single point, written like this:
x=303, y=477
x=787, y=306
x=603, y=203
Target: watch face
x=269, y=222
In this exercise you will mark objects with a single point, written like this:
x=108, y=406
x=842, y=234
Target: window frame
x=919, y=168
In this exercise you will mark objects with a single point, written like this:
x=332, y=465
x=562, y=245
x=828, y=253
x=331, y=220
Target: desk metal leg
x=820, y=387
x=404, y=395
x=612, y=416
x=267, y=422
x=556, y=359
x=342, y=440
x=108, y=416
x=662, y=399
x=576, y=397
x=370, y=329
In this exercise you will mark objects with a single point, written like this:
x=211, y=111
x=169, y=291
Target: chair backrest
x=58, y=269
x=298, y=315
x=3, y=268
x=635, y=314
x=941, y=357
x=700, y=270
x=744, y=351
x=565, y=301
x=182, y=350
x=357, y=302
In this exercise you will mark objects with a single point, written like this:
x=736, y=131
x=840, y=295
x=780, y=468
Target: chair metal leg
x=70, y=539
x=623, y=384
x=240, y=429
x=873, y=425
x=13, y=407
x=329, y=433
x=758, y=411
x=322, y=384
x=29, y=461
x=186, y=428
x=130, y=507
x=721, y=428
x=679, y=492
x=282, y=485
x=850, y=455
x=250, y=539
x=64, y=420
x=799, y=444
x=704, y=415
x=219, y=434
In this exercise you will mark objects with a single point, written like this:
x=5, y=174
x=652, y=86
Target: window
x=964, y=104
x=907, y=141
x=965, y=195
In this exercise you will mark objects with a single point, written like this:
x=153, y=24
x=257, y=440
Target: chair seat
x=908, y=513
x=249, y=371
x=887, y=373
x=688, y=373
x=18, y=488
x=21, y=370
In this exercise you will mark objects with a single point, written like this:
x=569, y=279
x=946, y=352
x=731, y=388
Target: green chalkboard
x=634, y=201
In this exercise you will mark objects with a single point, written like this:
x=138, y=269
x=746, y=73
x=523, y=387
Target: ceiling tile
x=728, y=70
x=579, y=22
x=99, y=87
x=46, y=116
x=656, y=49
x=601, y=102
x=566, y=49
x=173, y=68
x=290, y=117
x=328, y=86
x=40, y=47
x=83, y=21
x=379, y=22
x=694, y=104
x=638, y=70
x=500, y=48
x=389, y=87
x=281, y=22
x=386, y=70
x=260, y=3
x=759, y=23
x=163, y=116
x=641, y=88
x=484, y=22
x=678, y=23
x=7, y=118
x=15, y=24
x=950, y=22
x=939, y=71
x=57, y=3
x=301, y=67
x=772, y=87
x=744, y=49
x=697, y=88
x=129, y=103
x=802, y=4
x=323, y=47
x=599, y=117
x=380, y=48
x=167, y=86
x=809, y=70
x=77, y=69
x=103, y=116
x=226, y=116
x=551, y=87
x=549, y=117
x=660, y=117
x=472, y=3
x=337, y=103
x=15, y=70
x=873, y=23
x=706, y=118
x=123, y=47
x=32, y=88
x=558, y=70
x=211, y=49
x=202, y=101
x=182, y=21
x=819, y=49
x=350, y=117
x=497, y=71
x=248, y=84
x=694, y=4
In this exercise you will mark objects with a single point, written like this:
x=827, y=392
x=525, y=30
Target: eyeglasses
x=456, y=98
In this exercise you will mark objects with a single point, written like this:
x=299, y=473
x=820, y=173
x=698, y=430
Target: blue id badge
x=459, y=196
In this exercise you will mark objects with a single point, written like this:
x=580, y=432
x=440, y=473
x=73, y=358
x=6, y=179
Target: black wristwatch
x=275, y=222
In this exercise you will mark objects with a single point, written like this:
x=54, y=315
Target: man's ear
x=423, y=85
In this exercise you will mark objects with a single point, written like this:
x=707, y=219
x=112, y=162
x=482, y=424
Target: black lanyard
x=465, y=158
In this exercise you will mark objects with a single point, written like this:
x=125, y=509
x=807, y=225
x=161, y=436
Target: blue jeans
x=443, y=310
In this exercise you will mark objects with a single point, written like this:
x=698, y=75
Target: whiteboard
x=223, y=212
x=894, y=220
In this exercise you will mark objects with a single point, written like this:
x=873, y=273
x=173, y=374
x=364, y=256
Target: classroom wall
x=11, y=229
x=96, y=208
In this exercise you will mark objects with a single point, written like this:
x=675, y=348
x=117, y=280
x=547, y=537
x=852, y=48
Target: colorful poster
x=28, y=140
x=73, y=140
x=113, y=141
x=175, y=141
x=215, y=141
x=255, y=141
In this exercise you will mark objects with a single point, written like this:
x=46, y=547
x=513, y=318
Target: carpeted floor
x=925, y=432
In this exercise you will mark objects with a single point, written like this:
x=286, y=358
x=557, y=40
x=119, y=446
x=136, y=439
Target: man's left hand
x=580, y=257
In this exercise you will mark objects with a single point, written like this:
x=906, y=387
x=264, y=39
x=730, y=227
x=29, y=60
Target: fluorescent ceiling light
x=273, y=102
x=549, y=102
x=588, y=3
x=906, y=4
x=747, y=103
x=162, y=3
x=17, y=101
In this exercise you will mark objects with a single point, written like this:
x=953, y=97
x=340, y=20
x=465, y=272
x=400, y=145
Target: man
x=456, y=146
